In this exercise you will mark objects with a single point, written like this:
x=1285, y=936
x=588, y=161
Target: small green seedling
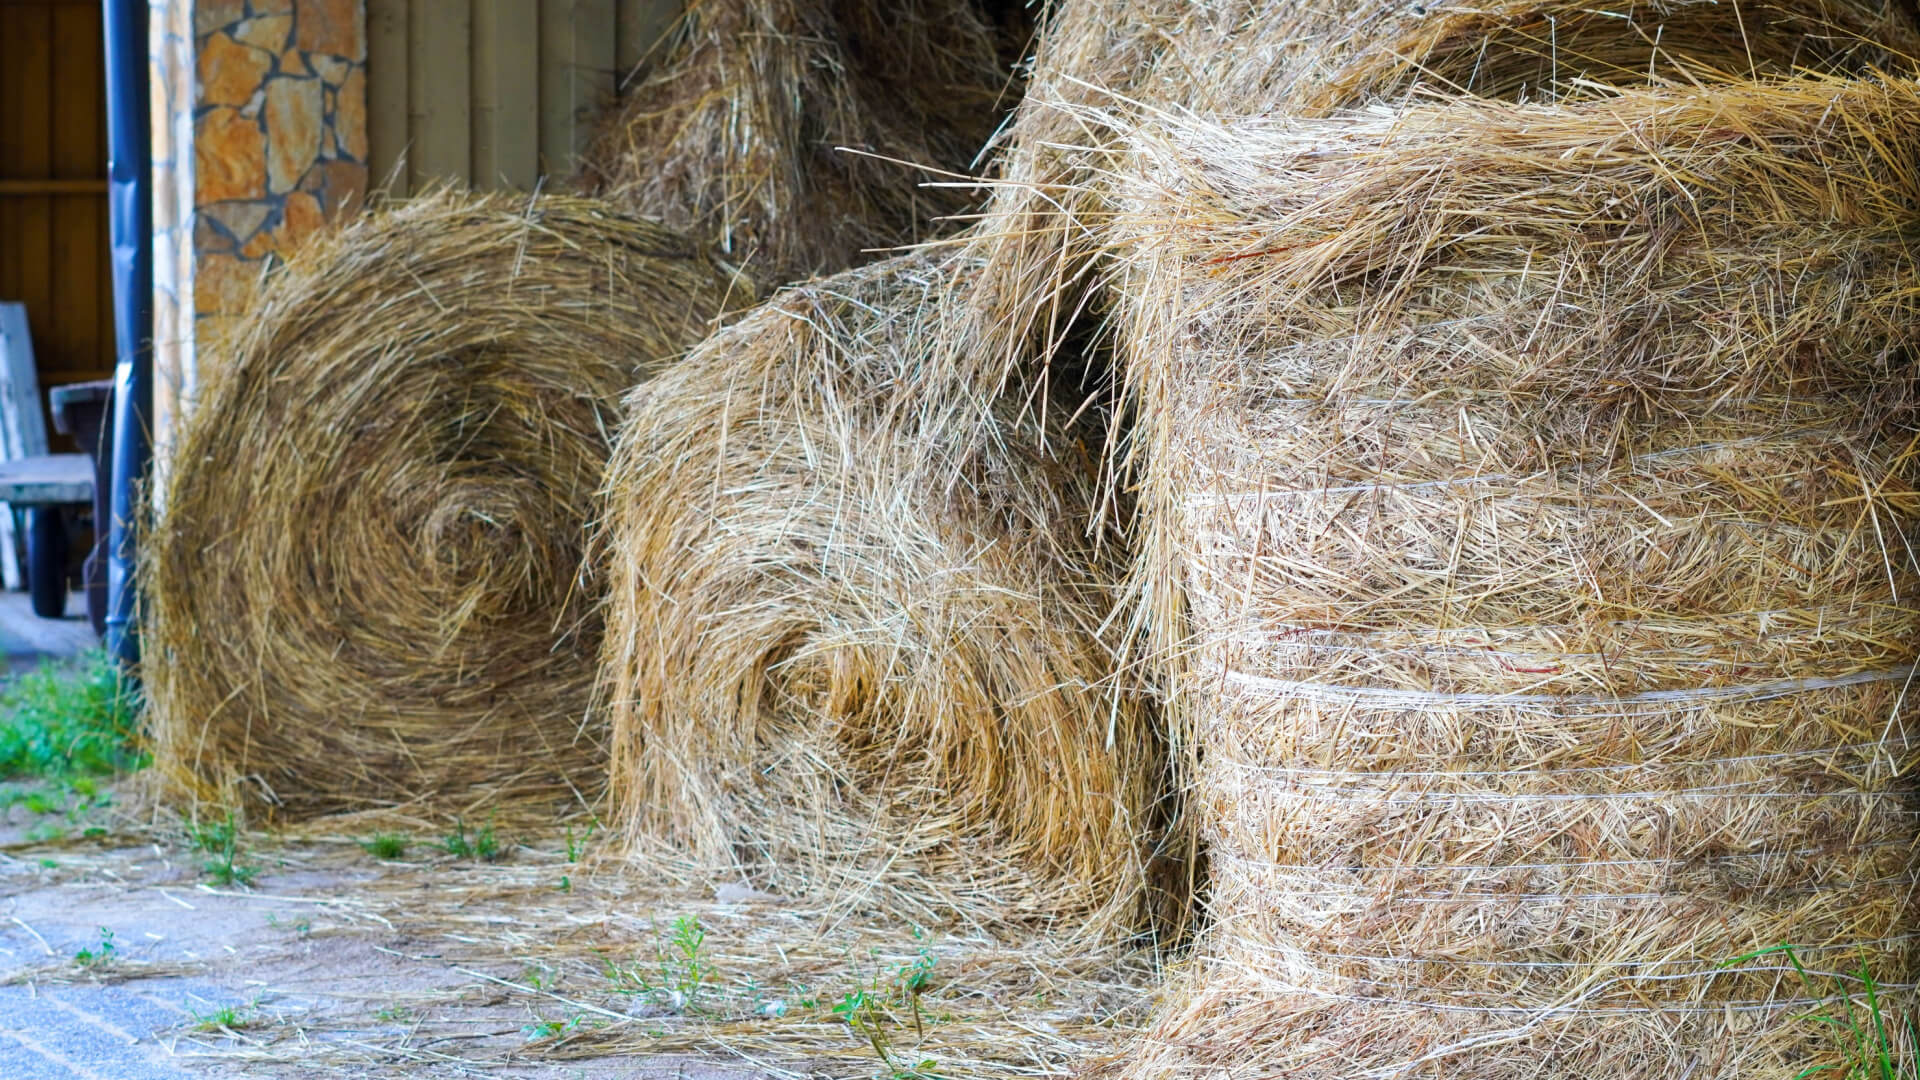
x=863, y=1015
x=577, y=846
x=683, y=973
x=302, y=928
x=98, y=956
x=221, y=839
x=386, y=845
x=394, y=1014
x=550, y=1029
x=224, y=1018
x=482, y=845
x=909, y=980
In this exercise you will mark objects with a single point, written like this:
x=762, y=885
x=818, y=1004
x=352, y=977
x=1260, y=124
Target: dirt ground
x=123, y=955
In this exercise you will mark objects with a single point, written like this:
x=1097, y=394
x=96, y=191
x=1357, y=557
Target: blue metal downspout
x=130, y=199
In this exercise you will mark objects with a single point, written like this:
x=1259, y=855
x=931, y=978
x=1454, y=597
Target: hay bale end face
x=1537, y=482
x=367, y=583
x=854, y=644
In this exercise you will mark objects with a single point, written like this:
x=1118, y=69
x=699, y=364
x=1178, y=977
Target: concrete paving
x=94, y=1032
x=26, y=639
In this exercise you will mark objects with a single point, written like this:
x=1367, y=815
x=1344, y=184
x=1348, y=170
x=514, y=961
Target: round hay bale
x=1530, y=496
x=854, y=642
x=367, y=585
x=735, y=133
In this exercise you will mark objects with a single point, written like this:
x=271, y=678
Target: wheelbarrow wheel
x=47, y=562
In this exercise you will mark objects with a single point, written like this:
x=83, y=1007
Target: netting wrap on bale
x=853, y=642
x=788, y=131
x=1535, y=487
x=367, y=586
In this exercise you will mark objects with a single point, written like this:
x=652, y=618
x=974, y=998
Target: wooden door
x=53, y=203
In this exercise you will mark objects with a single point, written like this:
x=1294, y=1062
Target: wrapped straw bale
x=367, y=587
x=853, y=641
x=735, y=133
x=1529, y=500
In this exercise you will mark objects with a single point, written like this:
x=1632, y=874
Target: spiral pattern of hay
x=854, y=642
x=736, y=134
x=367, y=586
x=1538, y=485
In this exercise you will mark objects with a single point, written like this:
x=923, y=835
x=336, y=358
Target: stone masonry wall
x=266, y=126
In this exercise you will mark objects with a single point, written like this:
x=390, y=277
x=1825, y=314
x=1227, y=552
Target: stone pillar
x=260, y=137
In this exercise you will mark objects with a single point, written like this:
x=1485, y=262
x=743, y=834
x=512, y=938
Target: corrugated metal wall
x=495, y=92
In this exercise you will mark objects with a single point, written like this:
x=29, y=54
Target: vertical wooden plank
x=79, y=100
x=11, y=270
x=67, y=322
x=27, y=72
x=387, y=82
x=642, y=28
x=556, y=94
x=22, y=426
x=506, y=94
x=105, y=356
x=595, y=41
x=24, y=85
x=439, y=91
x=34, y=241
x=577, y=40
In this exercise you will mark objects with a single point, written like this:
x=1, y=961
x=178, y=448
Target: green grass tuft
x=482, y=845
x=385, y=845
x=67, y=720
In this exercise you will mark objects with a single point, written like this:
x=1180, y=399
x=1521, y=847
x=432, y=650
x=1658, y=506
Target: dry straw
x=736, y=132
x=367, y=587
x=1529, y=491
x=854, y=645
x=1044, y=227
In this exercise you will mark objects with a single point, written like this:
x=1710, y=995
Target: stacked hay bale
x=367, y=587
x=1529, y=495
x=854, y=646
x=788, y=131
x=1045, y=226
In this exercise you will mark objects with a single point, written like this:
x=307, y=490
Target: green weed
x=1853, y=1009
x=386, y=845
x=577, y=846
x=68, y=720
x=221, y=839
x=301, y=928
x=862, y=1012
x=482, y=845
x=550, y=1029
x=682, y=972
x=99, y=956
x=224, y=1018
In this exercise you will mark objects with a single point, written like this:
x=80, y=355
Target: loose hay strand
x=366, y=587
